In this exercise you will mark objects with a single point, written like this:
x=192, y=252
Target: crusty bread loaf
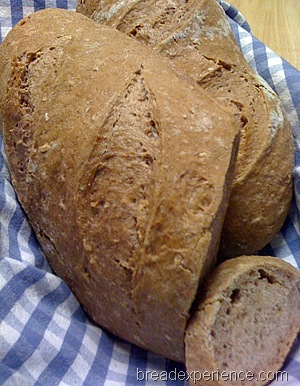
x=123, y=167
x=246, y=323
x=196, y=36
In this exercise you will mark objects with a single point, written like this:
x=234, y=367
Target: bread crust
x=122, y=167
x=246, y=322
x=196, y=37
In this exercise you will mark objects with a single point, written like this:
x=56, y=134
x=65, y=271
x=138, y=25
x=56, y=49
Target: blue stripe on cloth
x=137, y=366
x=235, y=15
x=297, y=153
x=14, y=289
x=39, y=259
x=99, y=367
x=288, y=89
x=3, y=161
x=245, y=42
x=16, y=11
x=287, y=81
x=2, y=196
x=5, y=373
x=293, y=351
x=14, y=227
x=235, y=29
x=64, y=4
x=267, y=251
x=38, y=5
x=297, y=175
x=69, y=349
x=292, y=367
x=15, y=379
x=174, y=371
x=1, y=153
x=35, y=327
x=292, y=238
x=292, y=79
x=261, y=61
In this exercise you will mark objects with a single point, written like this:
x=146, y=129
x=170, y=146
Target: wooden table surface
x=276, y=23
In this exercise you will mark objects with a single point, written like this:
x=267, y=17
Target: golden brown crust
x=123, y=168
x=252, y=306
x=196, y=36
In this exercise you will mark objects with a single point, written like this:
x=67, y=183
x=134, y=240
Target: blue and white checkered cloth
x=45, y=336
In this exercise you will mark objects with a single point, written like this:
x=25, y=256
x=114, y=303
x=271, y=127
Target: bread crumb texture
x=248, y=319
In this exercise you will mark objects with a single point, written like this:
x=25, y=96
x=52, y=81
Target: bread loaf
x=246, y=323
x=197, y=38
x=123, y=168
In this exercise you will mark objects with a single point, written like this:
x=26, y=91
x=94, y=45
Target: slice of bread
x=246, y=322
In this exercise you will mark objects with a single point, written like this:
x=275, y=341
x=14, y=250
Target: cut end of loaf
x=247, y=322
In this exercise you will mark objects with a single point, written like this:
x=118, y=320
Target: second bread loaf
x=196, y=37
